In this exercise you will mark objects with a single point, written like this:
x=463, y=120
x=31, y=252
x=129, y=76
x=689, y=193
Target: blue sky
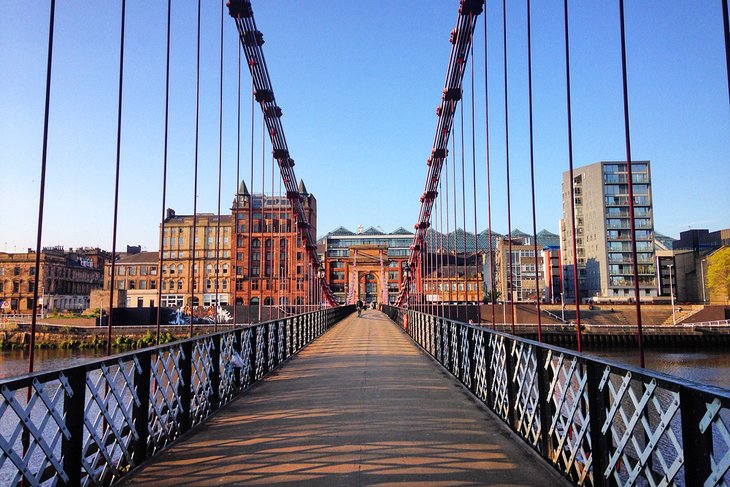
x=358, y=83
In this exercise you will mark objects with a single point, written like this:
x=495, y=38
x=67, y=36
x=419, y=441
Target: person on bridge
x=359, y=307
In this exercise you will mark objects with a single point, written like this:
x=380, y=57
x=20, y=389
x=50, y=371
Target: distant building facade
x=603, y=235
x=366, y=265
x=209, y=283
x=136, y=274
x=692, y=255
x=66, y=279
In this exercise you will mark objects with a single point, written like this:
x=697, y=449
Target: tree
x=488, y=295
x=718, y=274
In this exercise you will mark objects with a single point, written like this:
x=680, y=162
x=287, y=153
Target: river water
x=705, y=366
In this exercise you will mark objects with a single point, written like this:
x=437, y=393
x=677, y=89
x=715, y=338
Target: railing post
x=215, y=373
x=598, y=403
x=140, y=413
x=471, y=343
x=489, y=373
x=252, y=355
x=543, y=385
x=697, y=445
x=509, y=368
x=185, y=384
x=74, y=406
x=237, y=348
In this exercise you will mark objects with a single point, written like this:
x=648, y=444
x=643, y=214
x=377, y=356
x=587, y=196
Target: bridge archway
x=369, y=287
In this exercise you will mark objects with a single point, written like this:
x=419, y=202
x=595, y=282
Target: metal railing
x=597, y=422
x=91, y=424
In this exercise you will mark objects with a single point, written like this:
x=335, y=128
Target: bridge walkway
x=362, y=405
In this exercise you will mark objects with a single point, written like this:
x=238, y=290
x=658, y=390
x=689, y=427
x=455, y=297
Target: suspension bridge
x=317, y=395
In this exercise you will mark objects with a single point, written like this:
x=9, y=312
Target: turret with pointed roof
x=303, y=189
x=242, y=189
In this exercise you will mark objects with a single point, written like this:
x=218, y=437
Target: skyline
x=358, y=107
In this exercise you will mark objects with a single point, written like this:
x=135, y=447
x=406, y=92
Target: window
x=153, y=270
x=16, y=286
x=132, y=271
x=16, y=271
x=180, y=284
x=164, y=269
x=132, y=284
x=122, y=270
x=143, y=284
x=2, y=286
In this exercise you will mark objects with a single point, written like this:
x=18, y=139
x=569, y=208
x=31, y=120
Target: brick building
x=270, y=265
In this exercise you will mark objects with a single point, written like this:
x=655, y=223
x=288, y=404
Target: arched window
x=179, y=268
x=269, y=243
x=256, y=243
x=299, y=301
x=254, y=302
x=268, y=301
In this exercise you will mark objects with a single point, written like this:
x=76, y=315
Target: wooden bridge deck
x=362, y=405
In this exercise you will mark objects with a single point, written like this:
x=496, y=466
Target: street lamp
x=671, y=292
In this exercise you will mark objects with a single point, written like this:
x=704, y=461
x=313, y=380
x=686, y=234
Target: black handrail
x=93, y=423
x=596, y=421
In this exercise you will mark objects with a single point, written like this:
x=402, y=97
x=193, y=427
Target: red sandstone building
x=269, y=262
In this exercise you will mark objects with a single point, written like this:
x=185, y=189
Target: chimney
x=170, y=214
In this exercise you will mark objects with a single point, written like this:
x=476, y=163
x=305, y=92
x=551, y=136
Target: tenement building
x=603, y=232
x=211, y=243
x=268, y=261
x=66, y=279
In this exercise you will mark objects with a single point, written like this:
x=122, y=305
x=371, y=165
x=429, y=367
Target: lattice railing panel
x=448, y=354
x=453, y=346
x=260, y=352
x=227, y=366
x=202, y=386
x=247, y=344
x=108, y=422
x=271, y=345
x=498, y=388
x=644, y=429
x=280, y=342
x=527, y=401
x=465, y=359
x=715, y=424
x=165, y=402
x=569, y=425
x=480, y=365
x=31, y=432
x=439, y=350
